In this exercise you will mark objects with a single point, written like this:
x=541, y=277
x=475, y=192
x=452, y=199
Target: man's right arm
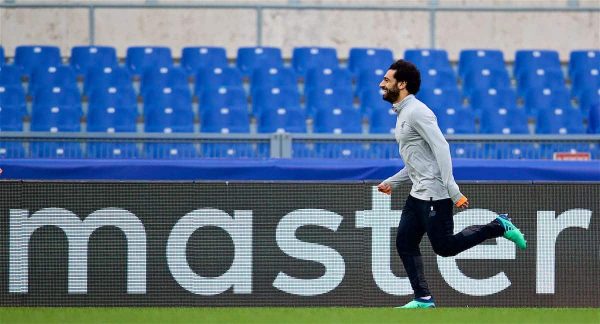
x=394, y=181
x=398, y=178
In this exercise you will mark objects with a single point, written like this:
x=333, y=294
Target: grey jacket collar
x=400, y=105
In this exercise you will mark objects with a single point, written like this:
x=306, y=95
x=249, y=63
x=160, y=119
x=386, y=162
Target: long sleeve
x=398, y=178
x=425, y=123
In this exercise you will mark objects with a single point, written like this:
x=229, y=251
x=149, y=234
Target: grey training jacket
x=425, y=152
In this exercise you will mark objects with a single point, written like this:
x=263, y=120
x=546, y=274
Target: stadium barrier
x=283, y=244
x=285, y=145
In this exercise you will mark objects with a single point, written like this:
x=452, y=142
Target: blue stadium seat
x=540, y=78
x=436, y=78
x=2, y=58
x=512, y=151
x=168, y=110
x=113, y=96
x=13, y=96
x=456, y=121
x=382, y=121
x=372, y=99
x=30, y=57
x=504, y=121
x=327, y=78
x=465, y=151
x=170, y=151
x=112, y=150
x=369, y=80
x=559, y=121
x=249, y=58
x=141, y=57
x=272, y=98
x=384, y=151
x=482, y=99
x=10, y=75
x=228, y=150
x=538, y=99
x=440, y=98
x=215, y=98
x=317, y=99
x=427, y=58
x=85, y=57
x=106, y=77
x=52, y=76
x=588, y=99
x=306, y=58
x=169, y=120
x=338, y=119
x=112, y=113
x=364, y=58
x=12, y=150
x=479, y=59
x=583, y=60
x=163, y=77
x=212, y=78
x=594, y=119
x=203, y=57
x=334, y=150
x=535, y=59
x=282, y=119
x=485, y=79
x=11, y=118
x=225, y=120
x=58, y=96
x=273, y=77
x=585, y=79
x=56, y=150
x=55, y=118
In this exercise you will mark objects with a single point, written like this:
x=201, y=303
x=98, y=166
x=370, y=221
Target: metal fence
x=286, y=145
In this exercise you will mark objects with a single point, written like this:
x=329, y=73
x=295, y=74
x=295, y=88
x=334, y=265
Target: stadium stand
x=299, y=97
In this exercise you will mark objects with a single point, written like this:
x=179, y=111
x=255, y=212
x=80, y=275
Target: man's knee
x=443, y=250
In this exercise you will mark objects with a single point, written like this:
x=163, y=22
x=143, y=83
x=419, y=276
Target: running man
x=428, y=208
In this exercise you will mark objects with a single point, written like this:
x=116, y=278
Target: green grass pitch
x=295, y=315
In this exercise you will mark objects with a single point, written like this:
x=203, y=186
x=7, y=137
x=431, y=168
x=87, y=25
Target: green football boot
x=419, y=303
x=511, y=232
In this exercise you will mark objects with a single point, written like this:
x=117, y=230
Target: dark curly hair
x=406, y=71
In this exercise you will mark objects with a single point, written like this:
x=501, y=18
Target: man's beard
x=391, y=95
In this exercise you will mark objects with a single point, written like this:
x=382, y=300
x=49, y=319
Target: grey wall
x=286, y=28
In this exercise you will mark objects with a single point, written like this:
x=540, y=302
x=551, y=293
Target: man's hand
x=462, y=203
x=385, y=188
